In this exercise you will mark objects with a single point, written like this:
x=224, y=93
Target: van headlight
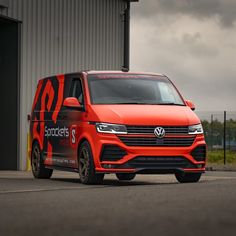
x=111, y=128
x=195, y=129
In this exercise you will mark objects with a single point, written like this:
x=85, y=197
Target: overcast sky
x=191, y=41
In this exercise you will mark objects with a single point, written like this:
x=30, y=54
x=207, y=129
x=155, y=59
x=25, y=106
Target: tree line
x=214, y=132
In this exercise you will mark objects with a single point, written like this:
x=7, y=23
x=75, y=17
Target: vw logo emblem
x=159, y=132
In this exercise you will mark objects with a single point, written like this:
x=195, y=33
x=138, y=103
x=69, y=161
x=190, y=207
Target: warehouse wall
x=60, y=36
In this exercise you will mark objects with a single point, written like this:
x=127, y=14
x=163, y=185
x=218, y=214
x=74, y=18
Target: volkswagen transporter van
x=125, y=123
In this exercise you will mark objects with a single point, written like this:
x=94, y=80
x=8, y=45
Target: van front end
x=140, y=150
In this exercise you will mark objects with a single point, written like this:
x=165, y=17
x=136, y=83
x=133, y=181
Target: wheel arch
x=90, y=142
x=84, y=139
x=35, y=140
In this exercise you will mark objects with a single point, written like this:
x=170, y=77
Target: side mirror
x=72, y=103
x=190, y=104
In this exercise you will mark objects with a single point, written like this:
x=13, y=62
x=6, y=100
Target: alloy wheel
x=84, y=163
x=36, y=159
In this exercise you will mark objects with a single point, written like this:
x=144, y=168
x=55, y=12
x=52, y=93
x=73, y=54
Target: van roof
x=120, y=72
x=93, y=72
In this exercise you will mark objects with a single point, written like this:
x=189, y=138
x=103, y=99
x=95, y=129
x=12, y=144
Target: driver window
x=77, y=90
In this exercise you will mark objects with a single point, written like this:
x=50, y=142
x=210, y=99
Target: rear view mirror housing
x=72, y=103
x=190, y=104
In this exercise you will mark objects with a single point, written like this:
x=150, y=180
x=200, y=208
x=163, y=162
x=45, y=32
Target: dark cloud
x=195, y=47
x=224, y=10
x=182, y=39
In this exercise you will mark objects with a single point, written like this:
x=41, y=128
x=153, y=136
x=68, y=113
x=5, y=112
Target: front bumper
x=147, y=160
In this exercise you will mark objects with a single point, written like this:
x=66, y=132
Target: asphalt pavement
x=148, y=205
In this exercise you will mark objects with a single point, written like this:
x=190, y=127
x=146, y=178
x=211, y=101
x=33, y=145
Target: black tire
x=38, y=168
x=125, y=176
x=86, y=166
x=183, y=177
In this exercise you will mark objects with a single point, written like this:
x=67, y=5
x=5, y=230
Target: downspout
x=127, y=37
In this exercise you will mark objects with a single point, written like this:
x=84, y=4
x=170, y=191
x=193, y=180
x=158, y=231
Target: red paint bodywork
x=82, y=123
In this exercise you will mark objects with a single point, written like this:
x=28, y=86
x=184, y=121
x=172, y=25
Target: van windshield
x=133, y=89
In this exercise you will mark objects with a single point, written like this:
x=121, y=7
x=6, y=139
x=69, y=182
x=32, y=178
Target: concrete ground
x=149, y=205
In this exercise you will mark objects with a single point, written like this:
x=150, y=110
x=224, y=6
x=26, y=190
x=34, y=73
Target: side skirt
x=68, y=169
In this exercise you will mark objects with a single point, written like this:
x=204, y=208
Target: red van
x=97, y=122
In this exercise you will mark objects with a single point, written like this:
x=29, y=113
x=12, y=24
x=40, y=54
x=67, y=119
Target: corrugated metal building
x=45, y=37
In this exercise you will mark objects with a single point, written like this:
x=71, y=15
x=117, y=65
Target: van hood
x=144, y=114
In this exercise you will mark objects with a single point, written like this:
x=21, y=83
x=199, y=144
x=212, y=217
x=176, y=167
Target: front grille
x=153, y=141
x=199, y=153
x=112, y=153
x=150, y=129
x=159, y=162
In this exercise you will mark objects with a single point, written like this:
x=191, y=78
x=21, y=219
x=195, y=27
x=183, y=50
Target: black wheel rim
x=84, y=163
x=36, y=159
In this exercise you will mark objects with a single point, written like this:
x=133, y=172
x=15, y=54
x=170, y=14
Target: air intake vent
x=160, y=162
x=112, y=153
x=199, y=153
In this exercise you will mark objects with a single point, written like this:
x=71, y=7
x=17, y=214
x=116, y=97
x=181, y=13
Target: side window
x=76, y=90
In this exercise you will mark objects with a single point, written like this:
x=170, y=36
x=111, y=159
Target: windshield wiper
x=171, y=103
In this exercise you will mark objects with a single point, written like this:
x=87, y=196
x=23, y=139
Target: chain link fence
x=220, y=135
